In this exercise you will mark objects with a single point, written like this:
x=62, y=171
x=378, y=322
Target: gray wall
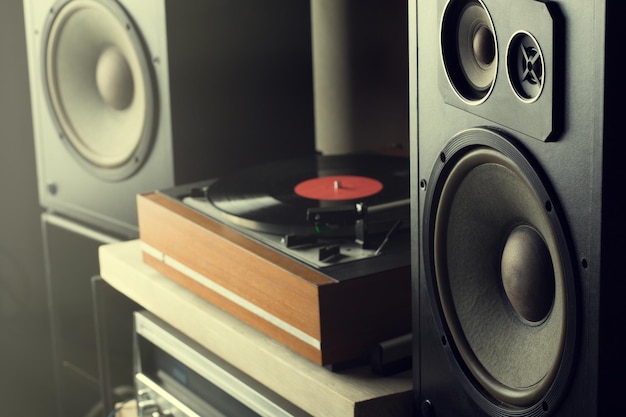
x=26, y=387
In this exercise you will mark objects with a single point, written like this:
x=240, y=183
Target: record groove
x=263, y=197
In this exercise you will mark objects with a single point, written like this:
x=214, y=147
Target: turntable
x=313, y=252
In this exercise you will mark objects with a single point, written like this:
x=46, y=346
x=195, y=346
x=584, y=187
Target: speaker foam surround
x=99, y=86
x=490, y=224
x=469, y=49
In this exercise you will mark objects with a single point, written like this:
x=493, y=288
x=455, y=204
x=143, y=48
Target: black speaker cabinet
x=518, y=226
x=135, y=95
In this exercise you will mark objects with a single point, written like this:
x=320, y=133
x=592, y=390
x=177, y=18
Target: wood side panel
x=260, y=275
x=347, y=317
x=242, y=314
x=295, y=269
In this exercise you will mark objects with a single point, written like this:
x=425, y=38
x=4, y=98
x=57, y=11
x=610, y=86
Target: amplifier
x=175, y=376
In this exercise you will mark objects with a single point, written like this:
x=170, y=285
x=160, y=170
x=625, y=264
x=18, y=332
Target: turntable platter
x=275, y=197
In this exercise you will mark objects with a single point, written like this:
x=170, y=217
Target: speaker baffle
x=498, y=268
x=99, y=86
x=469, y=49
x=525, y=66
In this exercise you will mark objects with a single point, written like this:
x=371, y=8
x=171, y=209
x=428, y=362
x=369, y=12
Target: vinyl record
x=264, y=197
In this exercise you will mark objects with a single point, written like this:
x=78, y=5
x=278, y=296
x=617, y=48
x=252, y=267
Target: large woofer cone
x=498, y=266
x=469, y=49
x=99, y=86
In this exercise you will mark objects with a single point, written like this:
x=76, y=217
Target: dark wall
x=26, y=387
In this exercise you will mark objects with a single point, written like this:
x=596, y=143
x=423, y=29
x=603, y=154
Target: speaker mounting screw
x=52, y=188
x=428, y=409
x=423, y=184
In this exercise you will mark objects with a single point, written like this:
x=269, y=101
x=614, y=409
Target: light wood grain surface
x=317, y=390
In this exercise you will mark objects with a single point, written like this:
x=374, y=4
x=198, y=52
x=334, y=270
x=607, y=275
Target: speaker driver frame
x=98, y=160
x=494, y=397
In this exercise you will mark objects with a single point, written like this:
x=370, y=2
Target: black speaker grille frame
x=457, y=146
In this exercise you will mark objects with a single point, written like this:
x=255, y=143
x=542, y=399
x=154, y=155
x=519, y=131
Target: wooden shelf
x=315, y=389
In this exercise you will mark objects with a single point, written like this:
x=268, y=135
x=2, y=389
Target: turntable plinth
x=326, y=320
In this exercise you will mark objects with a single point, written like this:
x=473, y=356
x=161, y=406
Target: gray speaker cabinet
x=518, y=227
x=133, y=95
x=91, y=322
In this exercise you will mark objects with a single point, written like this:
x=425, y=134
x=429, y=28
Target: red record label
x=338, y=187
